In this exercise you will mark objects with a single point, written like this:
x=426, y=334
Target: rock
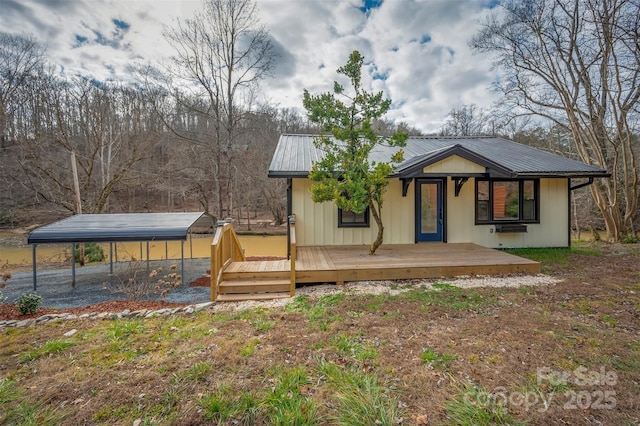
x=26, y=323
x=201, y=306
x=70, y=333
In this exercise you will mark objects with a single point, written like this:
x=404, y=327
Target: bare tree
x=220, y=57
x=21, y=59
x=469, y=120
x=109, y=130
x=21, y=56
x=577, y=63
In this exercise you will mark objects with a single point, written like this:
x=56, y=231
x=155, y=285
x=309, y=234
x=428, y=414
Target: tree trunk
x=376, y=210
x=610, y=210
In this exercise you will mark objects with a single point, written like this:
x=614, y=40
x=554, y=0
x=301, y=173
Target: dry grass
x=423, y=356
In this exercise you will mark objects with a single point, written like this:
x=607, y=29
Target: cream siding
x=317, y=223
x=552, y=231
x=454, y=164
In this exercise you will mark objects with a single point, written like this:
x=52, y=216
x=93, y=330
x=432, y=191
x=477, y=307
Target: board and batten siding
x=552, y=231
x=454, y=164
x=317, y=223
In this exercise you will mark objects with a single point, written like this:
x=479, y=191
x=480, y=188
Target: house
x=484, y=190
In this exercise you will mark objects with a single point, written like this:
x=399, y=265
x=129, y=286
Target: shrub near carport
x=134, y=282
x=28, y=303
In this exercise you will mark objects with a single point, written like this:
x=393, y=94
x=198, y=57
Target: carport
x=117, y=227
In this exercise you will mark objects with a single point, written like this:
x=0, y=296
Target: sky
x=416, y=51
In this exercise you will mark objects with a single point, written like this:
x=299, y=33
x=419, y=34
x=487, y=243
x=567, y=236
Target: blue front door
x=429, y=210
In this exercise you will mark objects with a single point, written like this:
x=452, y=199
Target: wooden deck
x=391, y=262
x=233, y=278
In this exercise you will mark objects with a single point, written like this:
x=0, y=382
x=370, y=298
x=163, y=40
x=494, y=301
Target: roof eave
x=564, y=174
x=287, y=174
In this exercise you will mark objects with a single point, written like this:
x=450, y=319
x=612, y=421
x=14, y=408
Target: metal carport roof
x=85, y=228
x=117, y=227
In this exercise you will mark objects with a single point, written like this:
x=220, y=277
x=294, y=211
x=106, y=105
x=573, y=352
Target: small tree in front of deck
x=346, y=174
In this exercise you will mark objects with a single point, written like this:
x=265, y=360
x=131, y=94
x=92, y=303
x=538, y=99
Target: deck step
x=237, y=297
x=255, y=275
x=254, y=286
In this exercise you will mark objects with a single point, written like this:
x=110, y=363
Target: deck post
x=216, y=258
x=214, y=273
x=292, y=255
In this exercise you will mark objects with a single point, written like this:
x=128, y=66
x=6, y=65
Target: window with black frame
x=349, y=219
x=507, y=201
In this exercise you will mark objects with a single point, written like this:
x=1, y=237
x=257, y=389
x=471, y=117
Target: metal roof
x=120, y=227
x=295, y=154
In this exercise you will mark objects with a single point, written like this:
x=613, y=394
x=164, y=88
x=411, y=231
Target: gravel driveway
x=54, y=286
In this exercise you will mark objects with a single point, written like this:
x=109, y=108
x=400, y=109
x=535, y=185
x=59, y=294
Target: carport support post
x=182, y=259
x=33, y=259
x=73, y=264
x=147, y=259
x=111, y=263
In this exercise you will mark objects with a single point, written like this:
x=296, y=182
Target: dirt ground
x=513, y=345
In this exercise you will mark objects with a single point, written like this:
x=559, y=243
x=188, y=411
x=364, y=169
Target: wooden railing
x=224, y=250
x=292, y=258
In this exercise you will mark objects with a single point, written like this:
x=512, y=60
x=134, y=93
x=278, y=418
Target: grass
x=289, y=402
x=360, y=397
x=224, y=406
x=436, y=360
x=560, y=257
x=448, y=296
x=261, y=325
x=199, y=371
x=427, y=353
x=474, y=405
x=18, y=410
x=319, y=313
x=122, y=329
x=352, y=346
x=249, y=348
x=52, y=347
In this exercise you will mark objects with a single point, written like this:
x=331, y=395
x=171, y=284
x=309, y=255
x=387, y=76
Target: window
x=507, y=201
x=348, y=219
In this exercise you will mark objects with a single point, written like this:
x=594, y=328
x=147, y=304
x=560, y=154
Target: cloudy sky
x=417, y=50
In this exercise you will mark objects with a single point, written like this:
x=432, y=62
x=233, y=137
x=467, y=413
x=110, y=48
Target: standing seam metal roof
x=295, y=154
x=120, y=227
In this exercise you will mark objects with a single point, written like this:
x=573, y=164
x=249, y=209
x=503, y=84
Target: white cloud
x=417, y=49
